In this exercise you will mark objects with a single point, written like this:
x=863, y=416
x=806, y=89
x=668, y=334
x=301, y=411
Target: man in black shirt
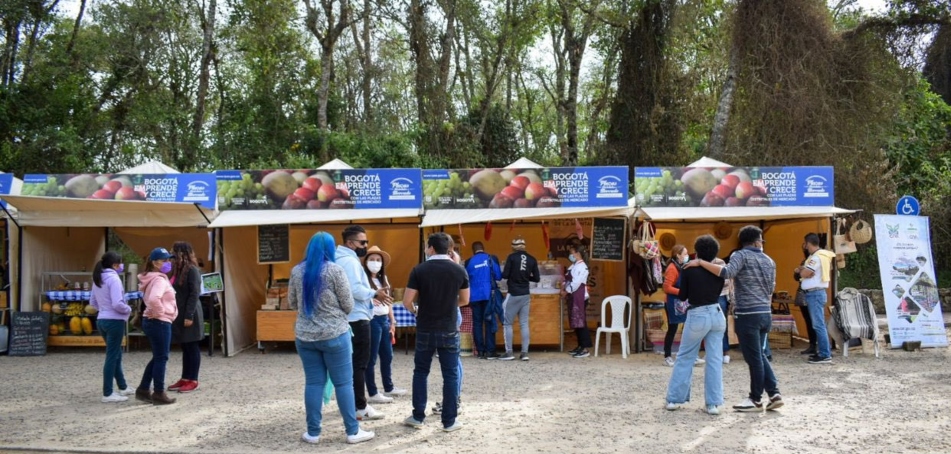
x=441, y=286
x=520, y=269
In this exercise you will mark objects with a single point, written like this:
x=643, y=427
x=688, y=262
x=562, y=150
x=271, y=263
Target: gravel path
x=253, y=403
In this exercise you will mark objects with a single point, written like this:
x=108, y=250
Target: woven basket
x=667, y=241
x=722, y=230
x=860, y=232
x=465, y=344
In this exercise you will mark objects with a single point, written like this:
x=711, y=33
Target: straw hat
x=376, y=250
x=722, y=230
x=667, y=241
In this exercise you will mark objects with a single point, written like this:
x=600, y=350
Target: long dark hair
x=381, y=275
x=108, y=260
x=184, y=259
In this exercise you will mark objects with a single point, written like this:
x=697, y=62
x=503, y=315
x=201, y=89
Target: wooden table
x=545, y=323
x=275, y=326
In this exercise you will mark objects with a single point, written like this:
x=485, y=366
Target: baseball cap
x=159, y=253
x=518, y=242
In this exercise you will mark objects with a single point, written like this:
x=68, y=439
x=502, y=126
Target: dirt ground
x=253, y=403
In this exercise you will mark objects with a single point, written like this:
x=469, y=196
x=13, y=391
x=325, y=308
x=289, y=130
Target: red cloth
x=466, y=320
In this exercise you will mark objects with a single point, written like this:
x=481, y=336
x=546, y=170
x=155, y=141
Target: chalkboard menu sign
x=274, y=243
x=29, y=333
x=607, y=242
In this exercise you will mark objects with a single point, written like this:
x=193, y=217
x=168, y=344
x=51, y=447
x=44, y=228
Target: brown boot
x=162, y=399
x=143, y=395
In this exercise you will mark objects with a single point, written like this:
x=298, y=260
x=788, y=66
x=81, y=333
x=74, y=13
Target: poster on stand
x=909, y=285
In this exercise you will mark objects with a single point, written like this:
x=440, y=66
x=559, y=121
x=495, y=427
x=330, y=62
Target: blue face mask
x=571, y=258
x=166, y=268
x=685, y=260
x=121, y=268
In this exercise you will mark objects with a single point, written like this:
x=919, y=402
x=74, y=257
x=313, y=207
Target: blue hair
x=320, y=250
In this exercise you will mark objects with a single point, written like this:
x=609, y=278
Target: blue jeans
x=517, y=306
x=380, y=344
x=160, y=339
x=751, y=330
x=320, y=358
x=724, y=306
x=704, y=324
x=481, y=329
x=817, y=312
x=427, y=344
x=112, y=332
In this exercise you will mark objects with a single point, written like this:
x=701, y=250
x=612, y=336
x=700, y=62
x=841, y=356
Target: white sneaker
x=454, y=427
x=672, y=406
x=669, y=361
x=127, y=392
x=360, y=436
x=306, y=438
x=368, y=414
x=699, y=362
x=114, y=398
x=713, y=410
x=379, y=398
x=726, y=359
x=396, y=392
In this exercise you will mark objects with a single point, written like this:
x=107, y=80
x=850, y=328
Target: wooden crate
x=780, y=340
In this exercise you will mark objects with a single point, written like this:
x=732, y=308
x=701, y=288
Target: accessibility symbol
x=908, y=206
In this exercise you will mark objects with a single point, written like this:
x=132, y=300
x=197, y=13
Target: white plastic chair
x=620, y=306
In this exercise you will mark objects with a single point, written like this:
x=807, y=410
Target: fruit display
x=704, y=187
x=284, y=189
x=71, y=318
x=490, y=188
x=73, y=309
x=104, y=187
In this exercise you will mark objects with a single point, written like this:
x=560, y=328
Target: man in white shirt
x=814, y=280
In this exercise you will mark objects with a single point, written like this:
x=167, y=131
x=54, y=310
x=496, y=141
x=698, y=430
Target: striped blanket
x=854, y=315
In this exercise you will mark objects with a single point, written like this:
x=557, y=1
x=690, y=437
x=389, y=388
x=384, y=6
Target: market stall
x=549, y=207
x=268, y=216
x=64, y=223
x=9, y=248
x=711, y=197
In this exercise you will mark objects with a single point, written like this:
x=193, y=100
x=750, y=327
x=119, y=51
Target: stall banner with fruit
x=6, y=186
x=174, y=187
x=319, y=189
x=733, y=186
x=525, y=188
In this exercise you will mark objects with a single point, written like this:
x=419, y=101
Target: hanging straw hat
x=376, y=250
x=667, y=241
x=722, y=230
x=860, y=232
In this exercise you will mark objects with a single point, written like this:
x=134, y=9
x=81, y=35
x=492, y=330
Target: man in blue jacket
x=484, y=272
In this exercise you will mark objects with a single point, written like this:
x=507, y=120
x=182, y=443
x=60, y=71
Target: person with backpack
x=483, y=270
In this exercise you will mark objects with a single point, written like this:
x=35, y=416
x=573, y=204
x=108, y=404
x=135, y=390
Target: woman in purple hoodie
x=107, y=297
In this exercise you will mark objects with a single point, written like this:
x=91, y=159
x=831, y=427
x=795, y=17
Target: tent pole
x=19, y=267
x=202, y=213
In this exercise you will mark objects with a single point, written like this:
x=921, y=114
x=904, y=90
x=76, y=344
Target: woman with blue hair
x=320, y=292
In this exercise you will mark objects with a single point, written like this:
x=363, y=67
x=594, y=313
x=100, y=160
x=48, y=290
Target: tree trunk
x=79, y=19
x=717, y=144
x=207, y=51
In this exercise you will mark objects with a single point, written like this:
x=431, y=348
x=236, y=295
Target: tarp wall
x=49, y=249
x=143, y=239
x=246, y=281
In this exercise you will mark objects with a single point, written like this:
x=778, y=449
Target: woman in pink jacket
x=160, y=312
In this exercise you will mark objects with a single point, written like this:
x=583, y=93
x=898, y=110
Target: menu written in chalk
x=274, y=243
x=607, y=242
x=29, y=333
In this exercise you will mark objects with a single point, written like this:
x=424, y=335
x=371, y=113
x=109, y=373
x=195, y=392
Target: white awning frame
x=242, y=218
x=67, y=212
x=436, y=218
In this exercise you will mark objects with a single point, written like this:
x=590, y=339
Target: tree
x=327, y=34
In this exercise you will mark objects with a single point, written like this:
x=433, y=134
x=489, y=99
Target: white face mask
x=374, y=267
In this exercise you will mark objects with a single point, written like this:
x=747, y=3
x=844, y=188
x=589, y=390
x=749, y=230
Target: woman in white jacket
x=576, y=290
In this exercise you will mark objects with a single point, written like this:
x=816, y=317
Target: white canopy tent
x=64, y=234
x=151, y=167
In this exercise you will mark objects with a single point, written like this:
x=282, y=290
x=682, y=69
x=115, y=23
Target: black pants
x=191, y=360
x=669, y=339
x=361, y=357
x=584, y=337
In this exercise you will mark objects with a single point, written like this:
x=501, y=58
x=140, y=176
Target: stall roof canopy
x=150, y=168
x=708, y=162
x=335, y=165
x=435, y=218
x=59, y=212
x=239, y=218
x=736, y=213
x=523, y=163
